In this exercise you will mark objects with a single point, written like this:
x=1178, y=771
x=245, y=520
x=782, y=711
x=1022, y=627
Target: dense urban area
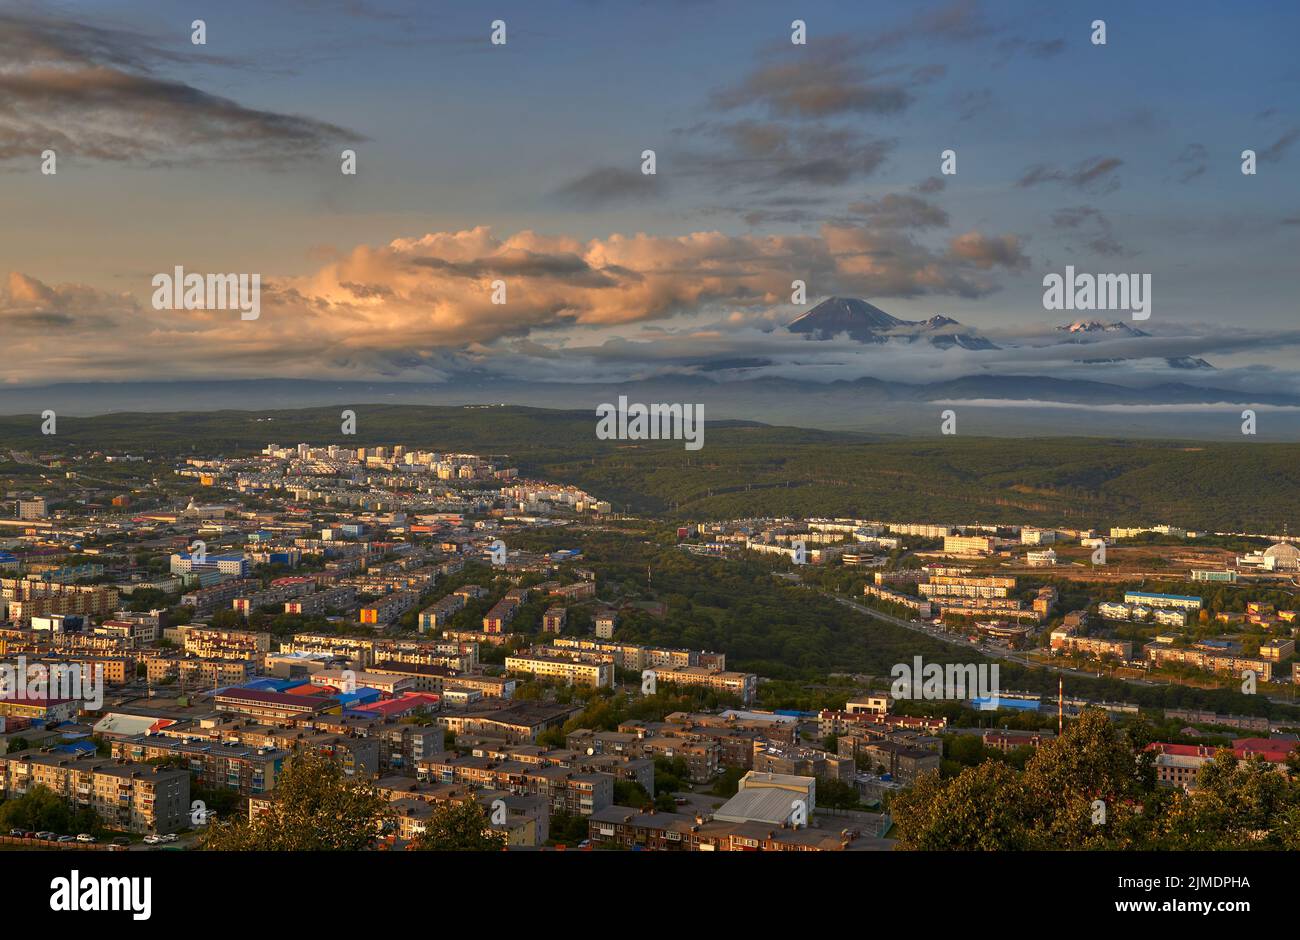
x=218, y=650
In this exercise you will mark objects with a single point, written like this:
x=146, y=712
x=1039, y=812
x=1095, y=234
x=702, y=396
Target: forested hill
x=753, y=469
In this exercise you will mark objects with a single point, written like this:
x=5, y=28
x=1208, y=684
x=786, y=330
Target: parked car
x=67, y=839
x=169, y=837
x=47, y=835
x=152, y=840
x=121, y=840
x=17, y=833
x=86, y=837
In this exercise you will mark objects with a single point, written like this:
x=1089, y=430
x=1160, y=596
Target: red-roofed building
x=398, y=707
x=270, y=706
x=1177, y=765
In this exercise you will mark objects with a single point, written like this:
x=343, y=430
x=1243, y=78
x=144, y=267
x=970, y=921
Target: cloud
x=1191, y=163
x=1093, y=224
x=1277, y=150
x=609, y=185
x=899, y=211
x=1096, y=174
x=414, y=306
x=989, y=251
x=95, y=93
x=1034, y=48
x=827, y=83
x=772, y=156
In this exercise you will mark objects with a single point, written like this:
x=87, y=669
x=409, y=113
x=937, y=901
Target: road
x=992, y=652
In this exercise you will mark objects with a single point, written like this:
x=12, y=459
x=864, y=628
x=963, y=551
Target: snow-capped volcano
x=1087, y=330
x=867, y=323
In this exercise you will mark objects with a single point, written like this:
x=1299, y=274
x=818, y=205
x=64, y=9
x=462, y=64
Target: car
x=152, y=840
x=121, y=840
x=680, y=801
x=47, y=835
x=169, y=837
x=67, y=839
x=17, y=833
x=86, y=837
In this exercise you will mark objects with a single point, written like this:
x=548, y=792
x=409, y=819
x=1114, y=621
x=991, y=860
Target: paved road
x=994, y=653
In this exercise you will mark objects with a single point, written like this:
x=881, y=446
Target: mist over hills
x=1001, y=406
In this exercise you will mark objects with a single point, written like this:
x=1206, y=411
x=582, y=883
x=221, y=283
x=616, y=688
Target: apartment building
x=126, y=797
x=564, y=790
x=389, y=608
x=743, y=685
x=553, y=621
x=901, y=761
x=969, y=545
x=1176, y=601
x=245, y=768
x=403, y=747
x=212, y=643
x=631, y=656
x=207, y=599
x=359, y=651
x=923, y=608
x=580, y=590
x=497, y=620
x=135, y=633
x=320, y=602
x=1091, y=645
x=1217, y=661
x=273, y=596
x=34, y=598
x=440, y=614
x=520, y=722
x=572, y=671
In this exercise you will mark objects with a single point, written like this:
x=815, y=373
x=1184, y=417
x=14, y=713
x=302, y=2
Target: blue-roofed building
x=361, y=696
x=992, y=703
x=76, y=747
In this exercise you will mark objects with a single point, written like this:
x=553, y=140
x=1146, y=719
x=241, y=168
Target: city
x=448, y=631
x=524, y=451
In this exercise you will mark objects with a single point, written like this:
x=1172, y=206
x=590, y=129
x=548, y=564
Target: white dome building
x=1286, y=557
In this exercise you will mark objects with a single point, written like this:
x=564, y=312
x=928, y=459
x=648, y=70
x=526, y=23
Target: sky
x=522, y=162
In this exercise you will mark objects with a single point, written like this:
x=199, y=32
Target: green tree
x=39, y=808
x=1236, y=805
x=982, y=808
x=314, y=807
x=459, y=827
x=833, y=793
